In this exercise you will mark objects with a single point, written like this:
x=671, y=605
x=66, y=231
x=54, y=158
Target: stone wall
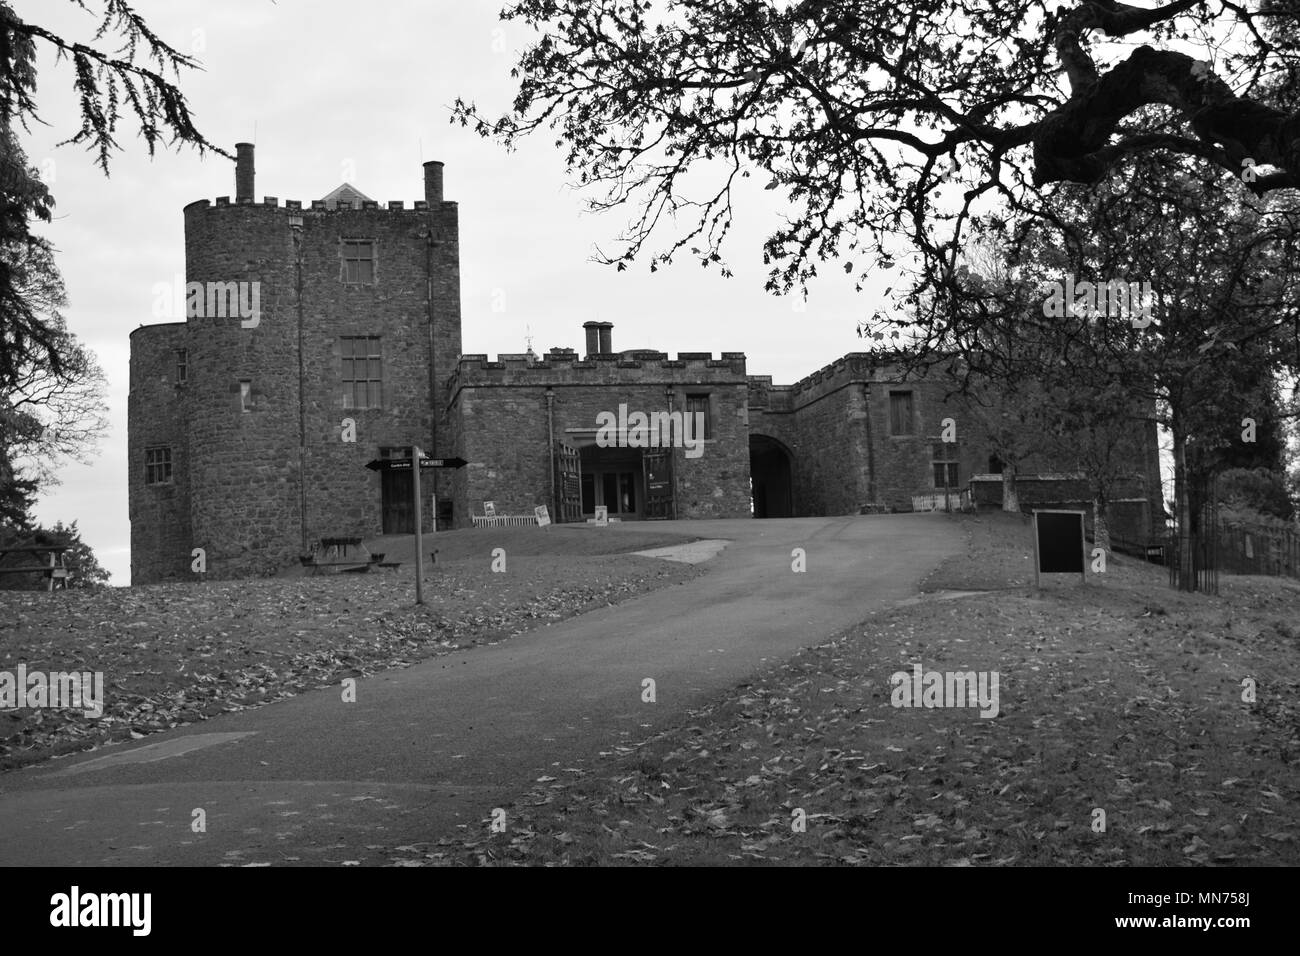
x=157, y=409
x=502, y=408
x=1130, y=510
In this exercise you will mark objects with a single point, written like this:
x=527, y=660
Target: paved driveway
x=436, y=746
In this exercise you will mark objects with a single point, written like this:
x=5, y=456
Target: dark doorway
x=769, y=472
x=612, y=477
x=398, y=513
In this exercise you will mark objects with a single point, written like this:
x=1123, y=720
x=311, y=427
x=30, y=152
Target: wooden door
x=398, y=511
x=568, y=483
x=657, y=469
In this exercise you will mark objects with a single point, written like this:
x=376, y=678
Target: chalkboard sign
x=1058, y=543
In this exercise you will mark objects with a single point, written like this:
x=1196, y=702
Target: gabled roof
x=346, y=195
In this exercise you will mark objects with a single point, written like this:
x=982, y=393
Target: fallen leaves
x=1108, y=700
x=182, y=653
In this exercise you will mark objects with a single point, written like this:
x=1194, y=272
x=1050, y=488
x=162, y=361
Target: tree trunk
x=1010, y=500
x=1100, y=523
x=1183, y=512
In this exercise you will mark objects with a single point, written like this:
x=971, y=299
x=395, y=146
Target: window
x=900, y=413
x=947, y=466
x=157, y=466
x=699, y=403
x=182, y=366
x=362, y=371
x=358, y=260
x=245, y=395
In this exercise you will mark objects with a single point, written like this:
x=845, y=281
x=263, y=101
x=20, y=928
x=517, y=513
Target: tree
x=84, y=570
x=1223, y=296
x=110, y=85
x=44, y=415
x=17, y=496
x=1259, y=490
x=887, y=122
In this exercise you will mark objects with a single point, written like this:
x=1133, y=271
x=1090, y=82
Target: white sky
x=332, y=91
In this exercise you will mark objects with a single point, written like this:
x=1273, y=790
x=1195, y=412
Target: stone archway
x=770, y=475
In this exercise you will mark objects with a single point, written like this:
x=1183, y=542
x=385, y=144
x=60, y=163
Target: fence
x=957, y=501
x=505, y=521
x=1274, y=551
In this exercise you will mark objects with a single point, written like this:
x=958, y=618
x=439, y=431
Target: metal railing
x=935, y=502
x=504, y=521
x=1273, y=551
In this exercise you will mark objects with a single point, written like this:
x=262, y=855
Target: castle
x=248, y=434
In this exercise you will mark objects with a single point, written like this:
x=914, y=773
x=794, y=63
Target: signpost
x=1059, y=545
x=404, y=464
x=417, y=455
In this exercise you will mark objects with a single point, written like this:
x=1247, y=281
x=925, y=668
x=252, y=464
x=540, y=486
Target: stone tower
x=297, y=319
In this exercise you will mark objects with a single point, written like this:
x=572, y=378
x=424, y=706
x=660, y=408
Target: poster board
x=1059, y=545
x=602, y=515
x=489, y=509
x=543, y=516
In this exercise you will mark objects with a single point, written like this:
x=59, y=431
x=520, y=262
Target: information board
x=1058, y=543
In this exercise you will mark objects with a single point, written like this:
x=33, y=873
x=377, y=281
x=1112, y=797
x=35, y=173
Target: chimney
x=433, y=183
x=244, y=172
x=593, y=337
x=606, y=332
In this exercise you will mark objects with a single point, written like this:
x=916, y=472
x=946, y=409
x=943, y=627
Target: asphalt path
x=429, y=751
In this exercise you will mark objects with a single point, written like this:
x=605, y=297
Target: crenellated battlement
x=315, y=206
x=568, y=358
x=564, y=366
x=853, y=365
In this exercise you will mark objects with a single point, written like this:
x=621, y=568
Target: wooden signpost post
x=407, y=464
x=417, y=455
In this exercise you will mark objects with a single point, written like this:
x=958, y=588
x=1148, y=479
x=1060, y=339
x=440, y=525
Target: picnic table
x=54, y=570
x=333, y=553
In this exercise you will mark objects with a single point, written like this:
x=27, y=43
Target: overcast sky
x=332, y=91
